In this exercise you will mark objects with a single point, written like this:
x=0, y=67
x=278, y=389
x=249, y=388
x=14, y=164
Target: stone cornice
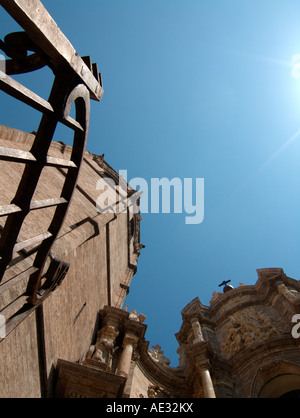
x=261, y=293
x=200, y=350
x=122, y=320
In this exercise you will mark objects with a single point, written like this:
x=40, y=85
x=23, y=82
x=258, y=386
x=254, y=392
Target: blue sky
x=195, y=89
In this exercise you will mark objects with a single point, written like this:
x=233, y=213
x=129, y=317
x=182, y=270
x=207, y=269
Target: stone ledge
x=79, y=381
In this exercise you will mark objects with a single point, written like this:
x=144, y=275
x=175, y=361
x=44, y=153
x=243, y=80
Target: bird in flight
x=224, y=283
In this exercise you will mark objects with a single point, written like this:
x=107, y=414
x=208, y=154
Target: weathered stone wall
x=19, y=362
x=97, y=247
x=140, y=384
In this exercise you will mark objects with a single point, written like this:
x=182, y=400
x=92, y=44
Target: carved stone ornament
x=130, y=339
x=157, y=392
x=245, y=329
x=105, y=347
x=288, y=293
x=158, y=355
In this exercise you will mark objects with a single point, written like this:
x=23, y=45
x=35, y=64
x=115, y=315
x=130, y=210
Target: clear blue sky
x=196, y=89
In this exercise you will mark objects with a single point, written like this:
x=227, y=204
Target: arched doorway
x=282, y=386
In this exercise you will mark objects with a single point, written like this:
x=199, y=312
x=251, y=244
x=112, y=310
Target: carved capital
x=130, y=339
x=203, y=365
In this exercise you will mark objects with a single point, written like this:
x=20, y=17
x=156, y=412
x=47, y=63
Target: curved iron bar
x=16, y=45
x=76, y=81
x=32, y=172
x=79, y=96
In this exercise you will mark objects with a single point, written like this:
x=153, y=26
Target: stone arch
x=280, y=386
x=276, y=379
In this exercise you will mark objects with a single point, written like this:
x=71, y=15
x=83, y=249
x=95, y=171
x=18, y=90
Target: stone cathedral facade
x=69, y=248
x=241, y=346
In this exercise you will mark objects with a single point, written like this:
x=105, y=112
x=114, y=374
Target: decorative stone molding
x=155, y=391
x=271, y=370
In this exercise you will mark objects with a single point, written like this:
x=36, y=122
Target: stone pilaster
x=197, y=330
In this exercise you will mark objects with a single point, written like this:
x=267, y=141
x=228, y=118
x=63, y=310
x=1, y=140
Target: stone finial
x=135, y=317
x=142, y=318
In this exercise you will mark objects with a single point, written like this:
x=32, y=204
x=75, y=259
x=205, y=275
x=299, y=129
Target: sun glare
x=296, y=66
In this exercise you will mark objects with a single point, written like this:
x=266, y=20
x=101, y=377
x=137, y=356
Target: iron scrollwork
x=80, y=96
x=16, y=46
x=76, y=81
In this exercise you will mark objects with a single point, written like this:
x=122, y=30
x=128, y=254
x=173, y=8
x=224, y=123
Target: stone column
x=208, y=387
x=196, y=330
x=129, y=345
